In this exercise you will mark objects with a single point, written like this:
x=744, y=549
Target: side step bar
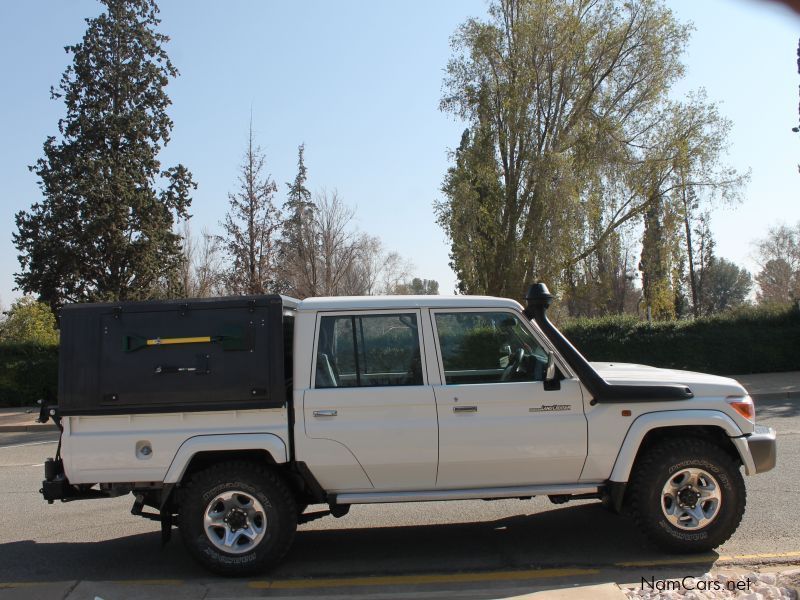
x=468, y=494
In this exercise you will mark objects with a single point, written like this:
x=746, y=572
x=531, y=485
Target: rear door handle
x=325, y=413
x=464, y=409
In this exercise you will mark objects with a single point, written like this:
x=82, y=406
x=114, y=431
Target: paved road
x=100, y=540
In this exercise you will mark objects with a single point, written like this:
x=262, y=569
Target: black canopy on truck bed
x=172, y=355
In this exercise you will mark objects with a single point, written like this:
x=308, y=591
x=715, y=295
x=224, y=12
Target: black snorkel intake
x=538, y=299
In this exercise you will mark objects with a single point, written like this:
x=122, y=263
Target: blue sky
x=359, y=83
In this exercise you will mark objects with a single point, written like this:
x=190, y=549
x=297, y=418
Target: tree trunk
x=690, y=254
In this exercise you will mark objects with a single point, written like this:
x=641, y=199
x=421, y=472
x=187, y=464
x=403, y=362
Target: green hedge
x=753, y=340
x=27, y=372
x=749, y=340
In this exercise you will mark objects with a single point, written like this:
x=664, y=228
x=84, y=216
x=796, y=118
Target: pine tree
x=298, y=246
x=104, y=228
x=298, y=199
x=251, y=227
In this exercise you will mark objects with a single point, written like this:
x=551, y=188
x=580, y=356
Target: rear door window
x=368, y=350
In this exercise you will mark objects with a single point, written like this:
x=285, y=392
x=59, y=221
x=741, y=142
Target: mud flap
x=166, y=527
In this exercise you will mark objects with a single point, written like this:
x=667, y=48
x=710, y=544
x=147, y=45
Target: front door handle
x=325, y=413
x=463, y=409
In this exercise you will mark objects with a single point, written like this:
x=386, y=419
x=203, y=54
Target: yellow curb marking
x=689, y=560
x=757, y=556
x=292, y=584
x=148, y=581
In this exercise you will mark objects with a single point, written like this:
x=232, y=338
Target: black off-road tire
x=257, y=481
x=666, y=459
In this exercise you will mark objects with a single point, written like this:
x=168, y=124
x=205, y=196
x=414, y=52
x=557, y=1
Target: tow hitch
x=54, y=486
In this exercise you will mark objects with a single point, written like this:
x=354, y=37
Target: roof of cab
x=339, y=303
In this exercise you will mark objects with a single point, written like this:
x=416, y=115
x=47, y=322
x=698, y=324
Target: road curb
x=40, y=427
x=765, y=396
x=602, y=591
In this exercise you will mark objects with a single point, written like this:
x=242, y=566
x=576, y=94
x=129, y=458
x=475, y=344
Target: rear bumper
x=763, y=447
x=56, y=486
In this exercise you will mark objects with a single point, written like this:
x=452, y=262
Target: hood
x=701, y=384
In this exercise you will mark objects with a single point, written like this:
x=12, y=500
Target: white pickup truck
x=229, y=417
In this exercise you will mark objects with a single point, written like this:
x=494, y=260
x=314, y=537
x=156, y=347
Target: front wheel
x=237, y=518
x=687, y=495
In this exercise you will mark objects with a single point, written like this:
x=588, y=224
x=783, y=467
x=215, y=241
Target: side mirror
x=550, y=370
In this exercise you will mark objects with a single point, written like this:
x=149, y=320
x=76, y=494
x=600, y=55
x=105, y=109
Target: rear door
x=370, y=393
x=498, y=425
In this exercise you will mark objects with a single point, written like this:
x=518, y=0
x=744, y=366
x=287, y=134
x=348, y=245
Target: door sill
x=465, y=494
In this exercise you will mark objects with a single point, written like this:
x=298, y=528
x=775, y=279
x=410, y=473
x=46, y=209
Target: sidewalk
x=771, y=386
x=762, y=387
x=22, y=419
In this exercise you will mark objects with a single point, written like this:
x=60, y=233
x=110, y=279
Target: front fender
x=268, y=442
x=672, y=418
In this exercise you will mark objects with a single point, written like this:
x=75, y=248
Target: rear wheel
x=687, y=495
x=237, y=518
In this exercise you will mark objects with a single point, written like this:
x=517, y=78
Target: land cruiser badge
x=550, y=408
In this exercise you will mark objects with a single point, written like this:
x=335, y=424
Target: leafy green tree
x=251, y=226
x=778, y=255
x=471, y=213
x=565, y=91
x=725, y=286
x=571, y=136
x=104, y=228
x=29, y=322
x=657, y=264
x=777, y=283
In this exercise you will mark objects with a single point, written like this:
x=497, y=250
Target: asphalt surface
x=99, y=540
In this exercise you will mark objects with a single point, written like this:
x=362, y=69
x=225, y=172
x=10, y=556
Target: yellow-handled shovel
x=180, y=340
x=232, y=340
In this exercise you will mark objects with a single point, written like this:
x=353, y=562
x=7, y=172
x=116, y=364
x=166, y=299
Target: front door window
x=488, y=347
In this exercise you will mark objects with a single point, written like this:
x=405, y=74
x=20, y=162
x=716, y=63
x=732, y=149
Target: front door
x=371, y=395
x=498, y=425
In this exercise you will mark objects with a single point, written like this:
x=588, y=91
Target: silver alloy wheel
x=691, y=499
x=235, y=522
